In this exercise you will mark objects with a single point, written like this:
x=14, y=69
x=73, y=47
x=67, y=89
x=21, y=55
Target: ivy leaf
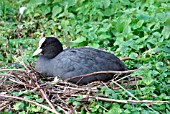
x=22, y=112
x=133, y=55
x=75, y=103
x=110, y=93
x=139, y=24
x=45, y=10
x=106, y=3
x=72, y=2
x=157, y=34
x=92, y=36
x=39, y=100
x=104, y=36
x=109, y=11
x=19, y=106
x=147, y=79
x=56, y=10
x=36, y=109
x=94, y=45
x=18, y=93
x=165, y=31
x=161, y=66
x=64, y=23
x=115, y=109
x=79, y=40
x=28, y=97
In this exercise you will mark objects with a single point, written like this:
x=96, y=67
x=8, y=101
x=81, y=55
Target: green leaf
x=147, y=79
x=64, y=23
x=156, y=26
x=28, y=97
x=45, y=10
x=36, y=14
x=161, y=66
x=127, y=111
x=106, y=3
x=165, y=31
x=97, y=3
x=35, y=96
x=139, y=24
x=94, y=45
x=56, y=10
x=19, y=106
x=127, y=29
x=109, y=11
x=35, y=2
x=79, y=39
x=40, y=100
x=115, y=109
x=75, y=103
x=157, y=35
x=95, y=108
x=104, y=36
x=36, y=109
x=23, y=112
x=92, y=36
x=119, y=40
x=18, y=93
x=71, y=2
x=110, y=93
x=133, y=55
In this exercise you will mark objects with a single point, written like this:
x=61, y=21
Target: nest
x=57, y=95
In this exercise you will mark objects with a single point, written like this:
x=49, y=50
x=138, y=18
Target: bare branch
x=45, y=97
x=131, y=94
x=125, y=58
x=12, y=70
x=101, y=72
x=123, y=101
x=29, y=101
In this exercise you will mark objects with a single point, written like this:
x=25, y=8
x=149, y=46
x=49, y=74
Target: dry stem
x=29, y=101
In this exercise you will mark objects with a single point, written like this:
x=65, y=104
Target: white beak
x=37, y=52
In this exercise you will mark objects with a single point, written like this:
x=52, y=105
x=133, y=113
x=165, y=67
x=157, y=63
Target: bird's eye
x=44, y=44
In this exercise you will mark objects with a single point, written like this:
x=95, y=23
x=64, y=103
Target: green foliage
x=138, y=29
x=22, y=106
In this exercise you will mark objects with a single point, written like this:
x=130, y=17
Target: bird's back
x=78, y=61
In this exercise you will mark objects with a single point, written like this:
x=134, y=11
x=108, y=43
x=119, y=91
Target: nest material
x=55, y=95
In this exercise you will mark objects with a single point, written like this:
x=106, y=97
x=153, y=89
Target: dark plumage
x=73, y=62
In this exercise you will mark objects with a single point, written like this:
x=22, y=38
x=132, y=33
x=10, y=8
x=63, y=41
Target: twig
x=3, y=79
x=17, y=60
x=62, y=109
x=4, y=105
x=18, y=82
x=78, y=88
x=102, y=72
x=122, y=78
x=64, y=106
x=122, y=101
x=131, y=101
x=131, y=94
x=7, y=75
x=125, y=58
x=103, y=108
x=12, y=70
x=14, y=76
x=87, y=110
x=45, y=96
x=29, y=101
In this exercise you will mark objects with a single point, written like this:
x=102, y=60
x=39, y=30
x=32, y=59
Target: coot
x=68, y=63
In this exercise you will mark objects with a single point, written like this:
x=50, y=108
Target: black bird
x=68, y=63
